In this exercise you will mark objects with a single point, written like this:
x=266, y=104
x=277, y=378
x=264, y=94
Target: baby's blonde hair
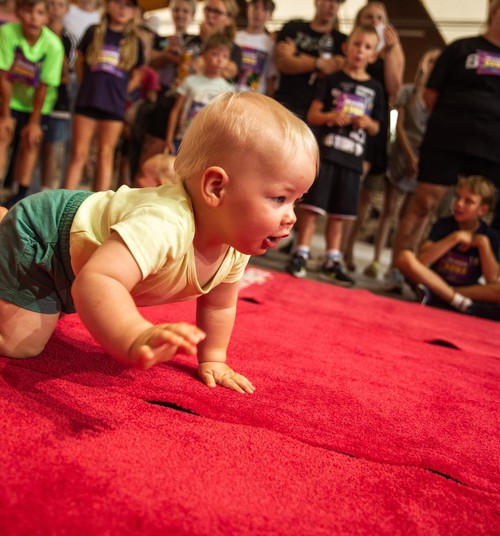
x=247, y=123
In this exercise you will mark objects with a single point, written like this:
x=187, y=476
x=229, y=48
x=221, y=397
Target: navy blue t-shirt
x=104, y=85
x=460, y=268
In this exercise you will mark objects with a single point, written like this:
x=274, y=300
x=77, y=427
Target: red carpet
x=371, y=416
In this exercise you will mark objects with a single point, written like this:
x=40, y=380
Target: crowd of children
x=99, y=82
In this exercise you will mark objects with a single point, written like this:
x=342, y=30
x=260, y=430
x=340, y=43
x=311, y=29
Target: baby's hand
x=162, y=342
x=214, y=373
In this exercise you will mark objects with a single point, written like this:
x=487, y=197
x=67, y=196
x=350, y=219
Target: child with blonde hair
x=157, y=170
x=460, y=250
x=105, y=254
x=110, y=55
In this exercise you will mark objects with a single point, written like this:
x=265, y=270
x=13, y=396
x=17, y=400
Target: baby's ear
x=213, y=184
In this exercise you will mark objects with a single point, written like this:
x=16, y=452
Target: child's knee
x=20, y=350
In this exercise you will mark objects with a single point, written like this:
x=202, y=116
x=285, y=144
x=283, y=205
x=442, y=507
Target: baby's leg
x=24, y=333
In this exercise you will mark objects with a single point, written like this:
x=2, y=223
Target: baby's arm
x=215, y=315
x=101, y=293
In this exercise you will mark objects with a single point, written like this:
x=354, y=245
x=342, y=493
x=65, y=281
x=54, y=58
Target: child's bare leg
x=83, y=132
x=6, y=133
x=488, y=293
x=109, y=134
x=24, y=333
x=333, y=233
x=418, y=272
x=26, y=162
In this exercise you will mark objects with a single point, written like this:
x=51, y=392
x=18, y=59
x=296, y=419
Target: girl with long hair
x=110, y=56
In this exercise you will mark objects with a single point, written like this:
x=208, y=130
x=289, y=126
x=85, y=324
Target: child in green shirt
x=31, y=58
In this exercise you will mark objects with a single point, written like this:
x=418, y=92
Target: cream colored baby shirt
x=157, y=225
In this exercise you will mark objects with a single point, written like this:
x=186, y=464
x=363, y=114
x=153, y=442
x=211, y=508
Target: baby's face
x=261, y=199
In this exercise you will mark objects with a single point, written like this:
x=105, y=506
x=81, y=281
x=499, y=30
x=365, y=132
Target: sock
x=461, y=302
x=333, y=255
x=303, y=251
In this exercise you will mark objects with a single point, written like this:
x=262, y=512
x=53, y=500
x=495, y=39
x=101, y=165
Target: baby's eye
x=281, y=199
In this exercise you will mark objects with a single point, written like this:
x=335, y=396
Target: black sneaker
x=423, y=294
x=297, y=266
x=11, y=201
x=334, y=271
x=489, y=310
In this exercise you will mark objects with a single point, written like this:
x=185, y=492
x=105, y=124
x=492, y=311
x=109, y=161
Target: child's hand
x=465, y=239
x=162, y=342
x=32, y=135
x=214, y=373
x=361, y=121
x=6, y=129
x=340, y=119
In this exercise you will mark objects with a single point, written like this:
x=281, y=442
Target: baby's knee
x=19, y=350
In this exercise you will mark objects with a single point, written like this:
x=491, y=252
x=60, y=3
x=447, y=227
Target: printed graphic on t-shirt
x=355, y=100
x=253, y=62
x=457, y=269
x=109, y=60
x=306, y=43
x=25, y=71
x=489, y=63
x=352, y=105
x=484, y=62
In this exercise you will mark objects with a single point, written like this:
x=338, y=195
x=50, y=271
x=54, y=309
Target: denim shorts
x=35, y=264
x=57, y=130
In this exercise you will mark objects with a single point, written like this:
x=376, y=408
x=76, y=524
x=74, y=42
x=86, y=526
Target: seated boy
x=105, y=254
x=459, y=250
x=31, y=60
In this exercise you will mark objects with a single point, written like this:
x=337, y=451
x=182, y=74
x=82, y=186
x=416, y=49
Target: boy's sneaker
x=334, y=271
x=394, y=282
x=297, y=266
x=423, y=294
x=372, y=270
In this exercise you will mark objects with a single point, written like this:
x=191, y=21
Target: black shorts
x=334, y=192
x=443, y=167
x=98, y=115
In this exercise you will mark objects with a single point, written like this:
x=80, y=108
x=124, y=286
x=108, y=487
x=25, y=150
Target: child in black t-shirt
x=459, y=251
x=348, y=106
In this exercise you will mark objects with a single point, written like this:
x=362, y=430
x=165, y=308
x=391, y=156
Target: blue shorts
x=57, y=130
x=35, y=264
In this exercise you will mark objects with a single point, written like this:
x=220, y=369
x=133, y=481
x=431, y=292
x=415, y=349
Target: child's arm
x=405, y=142
x=215, y=315
x=135, y=79
x=101, y=292
x=6, y=121
x=79, y=66
x=430, y=251
x=367, y=123
x=394, y=61
x=289, y=62
x=489, y=264
x=32, y=133
x=316, y=116
x=173, y=121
